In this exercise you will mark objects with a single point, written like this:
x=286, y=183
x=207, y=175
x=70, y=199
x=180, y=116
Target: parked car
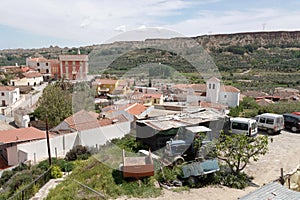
x=270, y=122
x=240, y=125
x=292, y=122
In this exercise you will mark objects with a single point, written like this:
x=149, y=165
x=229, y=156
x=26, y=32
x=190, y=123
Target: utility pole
x=48, y=142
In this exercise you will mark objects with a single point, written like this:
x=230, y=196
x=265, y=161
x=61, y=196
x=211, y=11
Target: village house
x=132, y=111
x=105, y=86
x=9, y=139
x=14, y=69
x=84, y=120
x=147, y=99
x=9, y=95
x=212, y=92
x=73, y=67
x=42, y=65
x=30, y=78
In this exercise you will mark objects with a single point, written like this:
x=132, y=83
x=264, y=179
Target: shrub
x=239, y=181
x=20, y=178
x=128, y=143
x=168, y=174
x=78, y=153
x=6, y=175
x=65, y=166
x=20, y=167
x=56, y=172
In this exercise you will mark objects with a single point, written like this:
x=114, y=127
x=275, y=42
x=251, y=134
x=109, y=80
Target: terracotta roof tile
x=32, y=74
x=136, y=109
x=152, y=95
x=228, y=88
x=214, y=79
x=21, y=135
x=82, y=120
x=6, y=88
x=41, y=59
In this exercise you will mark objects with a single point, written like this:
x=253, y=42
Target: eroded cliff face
x=278, y=39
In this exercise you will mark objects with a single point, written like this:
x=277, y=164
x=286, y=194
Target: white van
x=270, y=122
x=240, y=125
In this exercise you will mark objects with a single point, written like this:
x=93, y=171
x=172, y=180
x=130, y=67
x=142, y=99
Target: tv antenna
x=264, y=26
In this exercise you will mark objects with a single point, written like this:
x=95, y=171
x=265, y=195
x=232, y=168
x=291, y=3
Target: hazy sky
x=41, y=23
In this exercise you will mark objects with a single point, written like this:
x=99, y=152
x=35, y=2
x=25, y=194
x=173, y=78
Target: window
x=239, y=126
x=37, y=64
x=46, y=64
x=209, y=86
x=225, y=96
x=213, y=86
x=47, y=71
x=269, y=121
x=262, y=120
x=3, y=102
x=2, y=94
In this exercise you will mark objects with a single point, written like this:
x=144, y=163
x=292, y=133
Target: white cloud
x=93, y=21
x=121, y=28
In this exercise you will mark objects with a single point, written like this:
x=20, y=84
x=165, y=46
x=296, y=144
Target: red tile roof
x=152, y=96
x=105, y=81
x=42, y=59
x=228, y=88
x=32, y=74
x=82, y=120
x=214, y=79
x=21, y=135
x=6, y=88
x=136, y=109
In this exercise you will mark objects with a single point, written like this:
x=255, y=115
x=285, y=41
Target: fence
x=30, y=189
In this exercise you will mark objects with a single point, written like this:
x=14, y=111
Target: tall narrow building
x=73, y=67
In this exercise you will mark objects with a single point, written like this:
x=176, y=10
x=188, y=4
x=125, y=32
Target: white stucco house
x=8, y=95
x=214, y=92
x=222, y=94
x=42, y=65
x=30, y=78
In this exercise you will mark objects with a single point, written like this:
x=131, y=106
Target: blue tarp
x=200, y=168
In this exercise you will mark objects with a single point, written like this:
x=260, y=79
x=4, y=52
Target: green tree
x=56, y=103
x=249, y=103
x=238, y=149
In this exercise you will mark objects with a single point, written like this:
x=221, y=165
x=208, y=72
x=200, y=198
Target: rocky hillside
x=268, y=51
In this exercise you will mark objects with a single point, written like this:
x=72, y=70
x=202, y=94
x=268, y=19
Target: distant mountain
x=270, y=51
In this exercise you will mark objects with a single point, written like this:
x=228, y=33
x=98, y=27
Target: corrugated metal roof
x=198, y=129
x=272, y=191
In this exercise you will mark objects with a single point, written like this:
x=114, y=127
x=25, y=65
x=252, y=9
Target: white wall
x=100, y=136
x=212, y=91
x=25, y=81
x=10, y=96
x=12, y=155
x=231, y=100
x=37, y=150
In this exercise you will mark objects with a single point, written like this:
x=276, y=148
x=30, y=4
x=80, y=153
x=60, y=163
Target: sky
x=74, y=23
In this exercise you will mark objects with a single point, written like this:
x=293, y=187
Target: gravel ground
x=283, y=153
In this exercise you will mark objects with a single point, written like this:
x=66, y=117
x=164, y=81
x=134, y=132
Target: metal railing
x=30, y=190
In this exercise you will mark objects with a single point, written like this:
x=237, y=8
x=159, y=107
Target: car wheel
x=192, y=181
x=178, y=161
x=269, y=131
x=294, y=129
